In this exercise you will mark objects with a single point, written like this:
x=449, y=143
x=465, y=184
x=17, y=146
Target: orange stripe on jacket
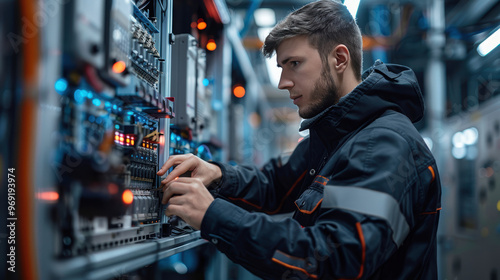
x=434, y=212
x=432, y=172
x=363, y=252
x=295, y=267
x=307, y=211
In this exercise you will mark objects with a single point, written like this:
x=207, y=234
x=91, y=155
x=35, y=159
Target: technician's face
x=311, y=88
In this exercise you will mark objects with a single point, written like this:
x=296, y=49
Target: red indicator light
x=112, y=189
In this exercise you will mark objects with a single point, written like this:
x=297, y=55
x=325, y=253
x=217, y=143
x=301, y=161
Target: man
x=363, y=186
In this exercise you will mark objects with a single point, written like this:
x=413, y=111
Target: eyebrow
x=284, y=61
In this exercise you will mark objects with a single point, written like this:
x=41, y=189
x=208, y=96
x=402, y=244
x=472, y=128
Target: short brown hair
x=327, y=23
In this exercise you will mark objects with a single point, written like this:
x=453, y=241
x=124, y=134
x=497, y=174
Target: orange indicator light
x=202, y=25
x=48, y=196
x=119, y=67
x=127, y=197
x=239, y=91
x=211, y=45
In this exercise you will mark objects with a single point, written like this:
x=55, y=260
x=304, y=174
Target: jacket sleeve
x=350, y=238
x=271, y=189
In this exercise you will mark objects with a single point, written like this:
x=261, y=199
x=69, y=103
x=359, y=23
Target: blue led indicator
x=178, y=138
x=172, y=137
x=79, y=97
x=206, y=82
x=91, y=118
x=96, y=102
x=130, y=113
x=89, y=94
x=98, y=120
x=120, y=109
x=107, y=104
x=117, y=126
x=115, y=107
x=217, y=105
x=61, y=85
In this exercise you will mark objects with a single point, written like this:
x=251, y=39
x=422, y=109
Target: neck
x=349, y=82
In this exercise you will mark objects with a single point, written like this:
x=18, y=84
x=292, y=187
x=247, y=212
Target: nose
x=285, y=83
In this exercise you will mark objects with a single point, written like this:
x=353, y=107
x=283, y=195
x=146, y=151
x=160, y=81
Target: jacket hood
x=384, y=87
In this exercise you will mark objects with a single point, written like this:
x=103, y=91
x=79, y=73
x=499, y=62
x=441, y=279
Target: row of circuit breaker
x=113, y=92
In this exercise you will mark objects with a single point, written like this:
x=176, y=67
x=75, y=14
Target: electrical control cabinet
x=470, y=221
x=203, y=99
x=84, y=29
x=184, y=57
x=111, y=194
x=117, y=35
x=106, y=104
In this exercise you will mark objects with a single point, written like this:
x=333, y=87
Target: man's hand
x=187, y=198
x=199, y=168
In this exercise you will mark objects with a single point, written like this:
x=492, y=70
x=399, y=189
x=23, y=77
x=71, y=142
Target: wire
x=163, y=9
x=144, y=4
x=140, y=3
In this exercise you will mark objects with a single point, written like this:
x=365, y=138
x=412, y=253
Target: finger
x=188, y=183
x=171, y=161
x=172, y=210
x=174, y=188
x=181, y=168
x=164, y=185
x=177, y=200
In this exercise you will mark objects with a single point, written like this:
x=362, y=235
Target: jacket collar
x=384, y=87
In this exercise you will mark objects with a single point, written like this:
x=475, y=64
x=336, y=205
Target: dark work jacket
x=364, y=189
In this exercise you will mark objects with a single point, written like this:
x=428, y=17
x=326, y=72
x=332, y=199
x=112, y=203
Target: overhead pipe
x=249, y=16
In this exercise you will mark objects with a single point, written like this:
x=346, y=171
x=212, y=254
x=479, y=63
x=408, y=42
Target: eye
x=294, y=63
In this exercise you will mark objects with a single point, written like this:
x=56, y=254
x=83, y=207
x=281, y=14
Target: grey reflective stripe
x=371, y=203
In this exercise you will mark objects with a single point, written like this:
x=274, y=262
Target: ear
x=340, y=58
